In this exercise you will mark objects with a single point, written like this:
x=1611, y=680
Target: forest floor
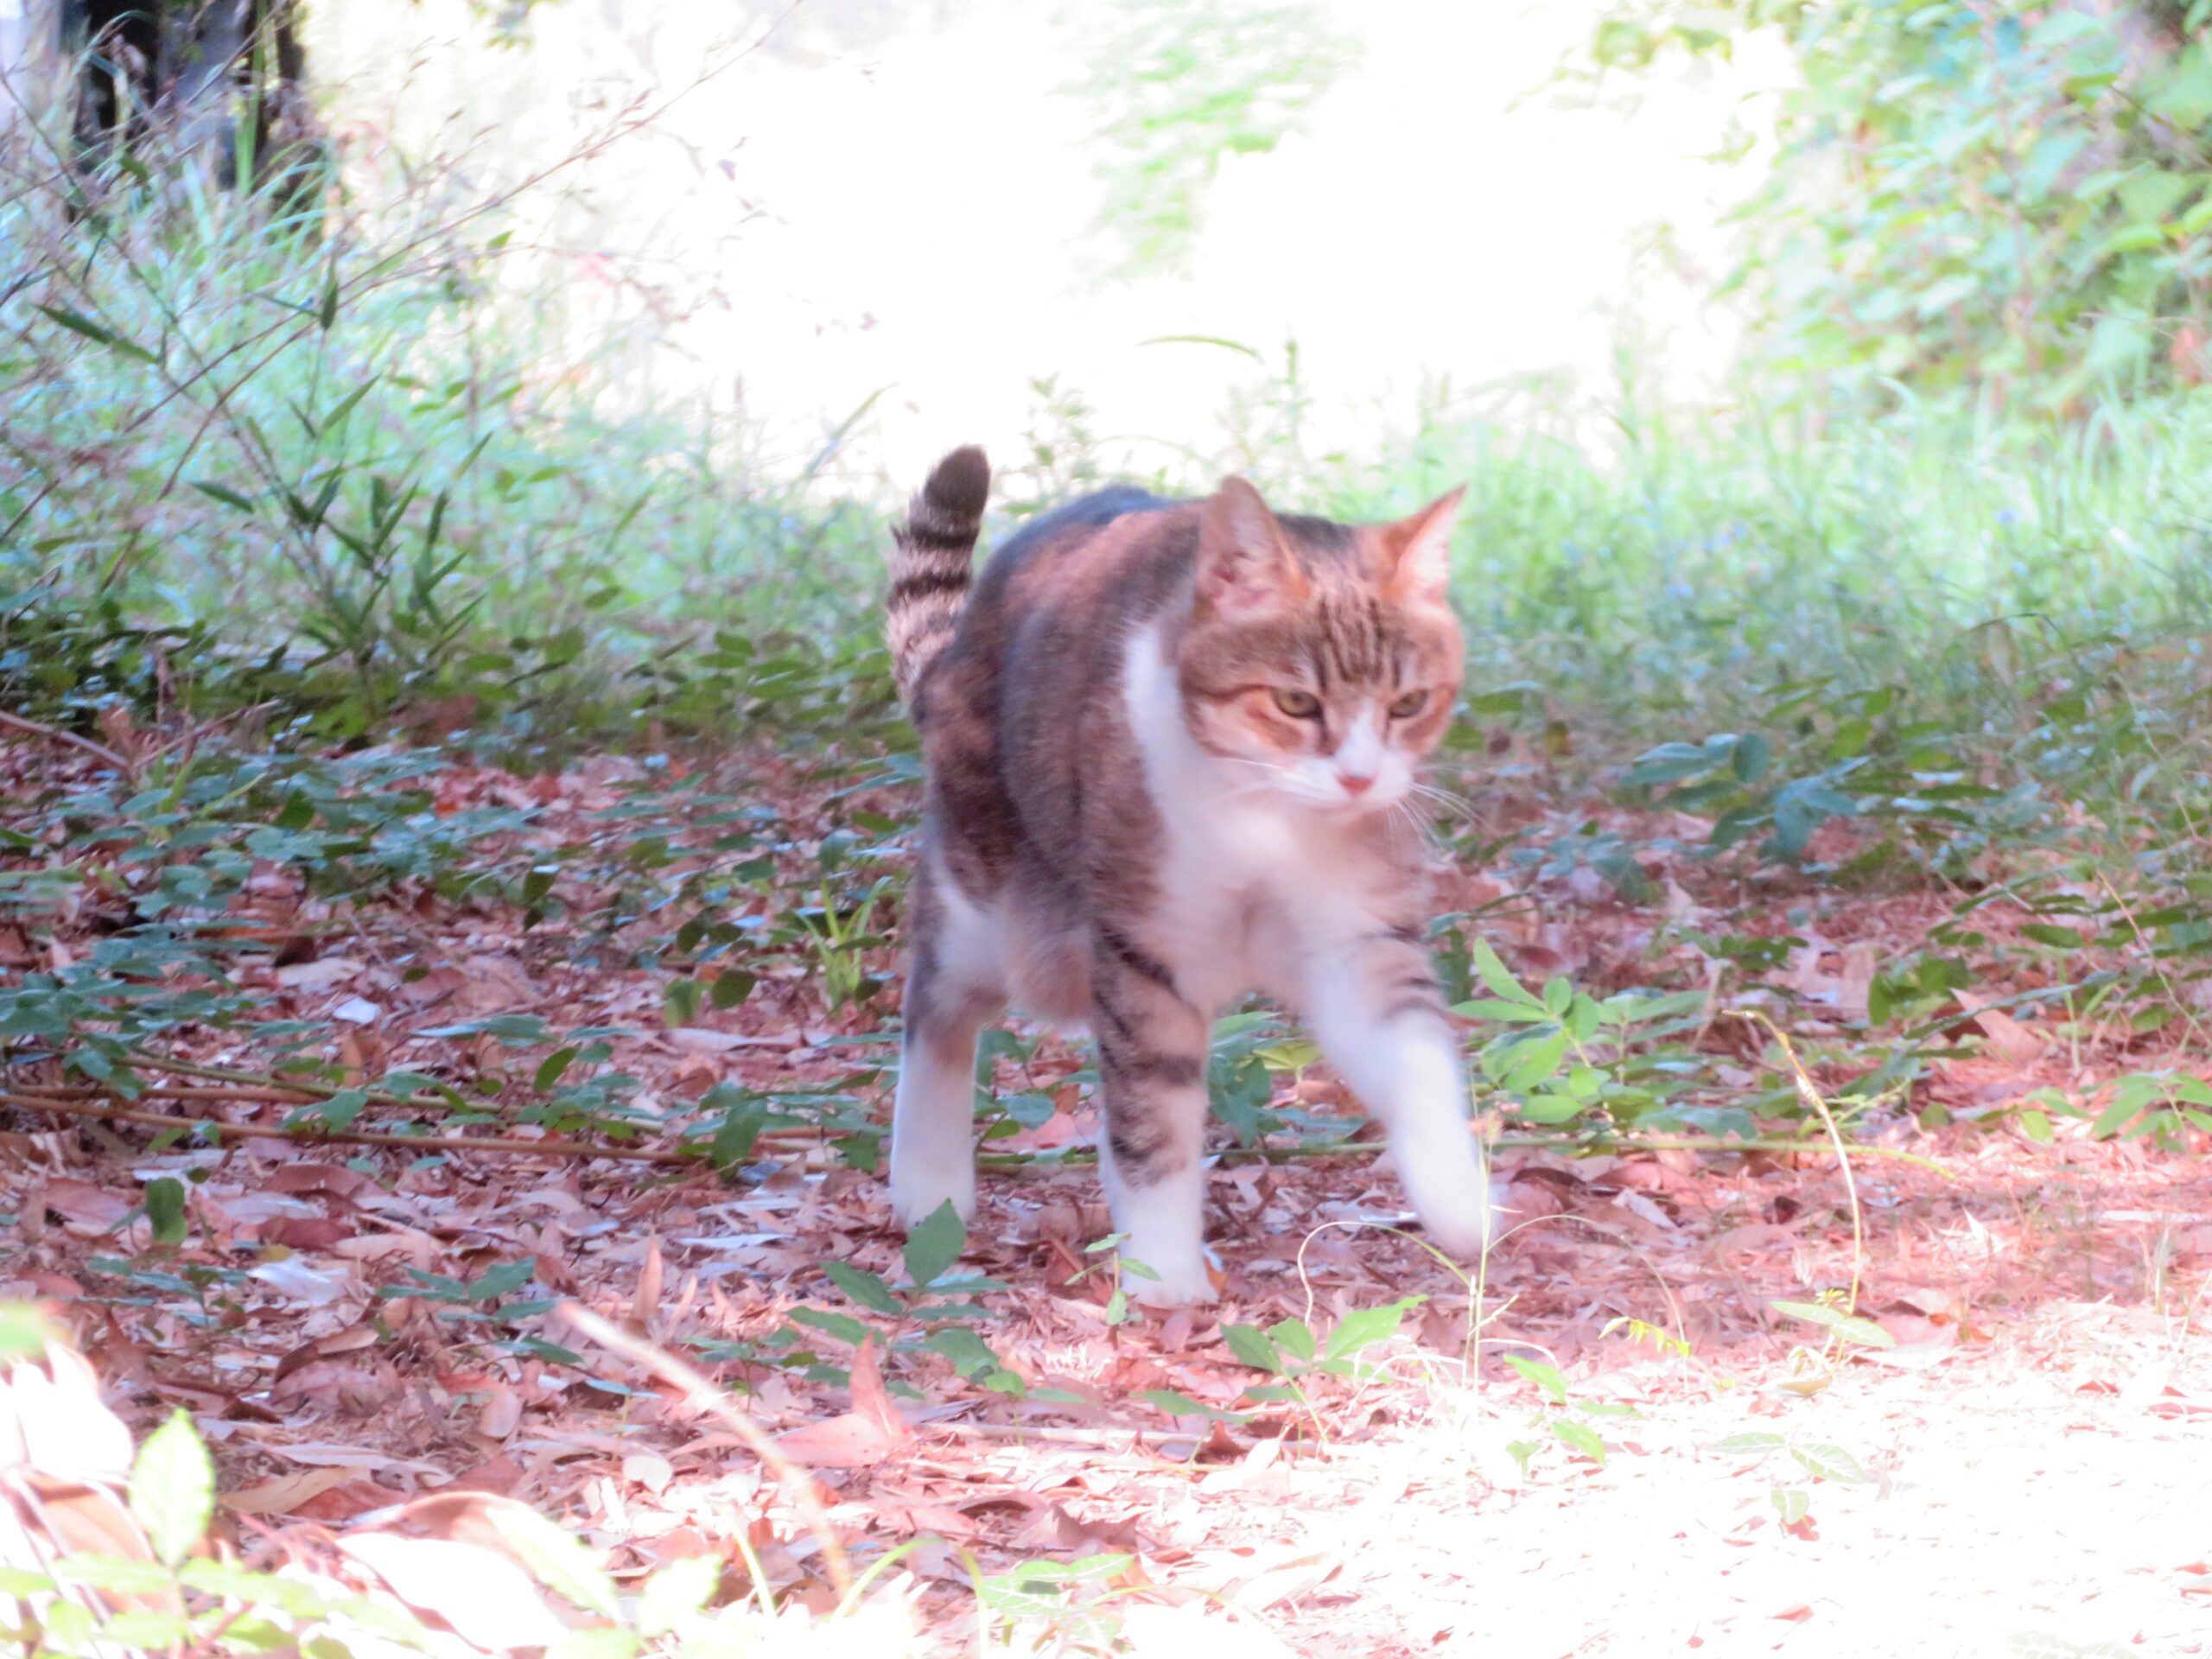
x=1956, y=1399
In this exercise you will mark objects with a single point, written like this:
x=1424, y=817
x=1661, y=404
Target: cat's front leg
x=1379, y=1015
x=1152, y=1062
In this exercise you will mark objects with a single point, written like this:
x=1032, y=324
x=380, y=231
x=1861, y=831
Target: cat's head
x=1322, y=659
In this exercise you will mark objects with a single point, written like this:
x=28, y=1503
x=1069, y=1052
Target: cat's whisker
x=1418, y=822
x=1436, y=794
x=1458, y=806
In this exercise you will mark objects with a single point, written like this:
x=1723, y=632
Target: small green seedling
x=1558, y=1416
x=941, y=1311
x=1291, y=1350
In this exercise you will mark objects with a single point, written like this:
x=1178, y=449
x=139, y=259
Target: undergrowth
x=317, y=463
x=299, y=529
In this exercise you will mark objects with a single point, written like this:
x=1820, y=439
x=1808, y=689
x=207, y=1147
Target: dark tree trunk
x=202, y=72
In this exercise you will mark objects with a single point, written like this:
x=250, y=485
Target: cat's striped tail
x=930, y=557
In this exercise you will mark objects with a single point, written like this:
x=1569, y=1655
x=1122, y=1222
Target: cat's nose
x=1354, y=782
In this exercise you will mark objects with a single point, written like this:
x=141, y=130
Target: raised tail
x=930, y=557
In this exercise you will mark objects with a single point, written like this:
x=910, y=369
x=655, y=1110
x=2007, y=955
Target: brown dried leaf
x=87, y=1210
x=871, y=1432
x=502, y=1412
x=2009, y=1040
x=352, y=1386
x=286, y=1493
x=351, y=1340
x=644, y=1306
x=480, y=1594
x=318, y=975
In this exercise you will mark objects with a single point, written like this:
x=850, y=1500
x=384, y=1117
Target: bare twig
x=309, y=1088
x=40, y=729
x=108, y=1111
x=703, y=1394
x=263, y=1089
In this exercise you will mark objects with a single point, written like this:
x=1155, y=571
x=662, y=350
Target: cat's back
x=1051, y=605
x=1026, y=701
x=1064, y=558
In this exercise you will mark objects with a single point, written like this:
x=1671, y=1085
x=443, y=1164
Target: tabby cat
x=1172, y=749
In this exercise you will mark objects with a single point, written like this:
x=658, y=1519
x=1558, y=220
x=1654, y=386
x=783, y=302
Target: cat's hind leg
x=955, y=984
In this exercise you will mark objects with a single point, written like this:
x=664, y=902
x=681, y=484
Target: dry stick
x=700, y=1392
x=114, y=1114
x=88, y=1104
x=242, y=1095
x=238, y=1096
x=39, y=728
x=260, y=1086
x=310, y=1087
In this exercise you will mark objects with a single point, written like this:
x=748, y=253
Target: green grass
x=363, y=480
x=333, y=469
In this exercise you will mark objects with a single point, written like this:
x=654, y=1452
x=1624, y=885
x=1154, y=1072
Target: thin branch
x=311, y=1089
x=1818, y=1104
x=109, y=1112
x=40, y=729
x=706, y=1395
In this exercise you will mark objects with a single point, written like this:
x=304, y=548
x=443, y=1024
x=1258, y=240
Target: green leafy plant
x=1817, y=1461
x=1292, y=1349
x=1724, y=775
x=930, y=1312
x=1561, y=1420
x=1563, y=1056
x=1176, y=91
x=2010, y=202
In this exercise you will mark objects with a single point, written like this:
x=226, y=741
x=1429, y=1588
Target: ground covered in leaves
x=337, y=1083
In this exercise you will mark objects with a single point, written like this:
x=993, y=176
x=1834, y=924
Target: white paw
x=1451, y=1193
x=1182, y=1284
x=1461, y=1221
x=917, y=1194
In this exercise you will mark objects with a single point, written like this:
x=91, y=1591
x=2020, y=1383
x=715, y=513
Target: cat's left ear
x=1417, y=551
x=1245, y=568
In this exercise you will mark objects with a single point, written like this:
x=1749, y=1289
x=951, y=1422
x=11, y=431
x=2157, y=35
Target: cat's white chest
x=1237, y=884
x=1248, y=886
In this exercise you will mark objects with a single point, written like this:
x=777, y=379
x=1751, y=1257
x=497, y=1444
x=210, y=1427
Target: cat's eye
x=1299, y=705
x=1409, y=705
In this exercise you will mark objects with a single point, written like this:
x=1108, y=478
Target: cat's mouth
x=1333, y=800
x=1363, y=806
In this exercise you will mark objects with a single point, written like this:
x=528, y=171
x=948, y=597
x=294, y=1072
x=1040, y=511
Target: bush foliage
x=2011, y=200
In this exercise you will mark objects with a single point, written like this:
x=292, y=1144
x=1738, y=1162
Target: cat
x=1171, y=751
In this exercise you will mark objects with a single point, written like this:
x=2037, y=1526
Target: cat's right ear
x=1245, y=564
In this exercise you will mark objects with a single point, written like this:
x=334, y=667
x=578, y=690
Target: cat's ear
x=1245, y=564
x=1417, y=551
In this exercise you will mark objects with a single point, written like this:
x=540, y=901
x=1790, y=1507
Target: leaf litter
x=1994, y=1444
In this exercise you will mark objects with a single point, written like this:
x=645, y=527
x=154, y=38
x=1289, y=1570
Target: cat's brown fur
x=1318, y=657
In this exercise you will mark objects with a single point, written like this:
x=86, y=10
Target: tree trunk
x=220, y=81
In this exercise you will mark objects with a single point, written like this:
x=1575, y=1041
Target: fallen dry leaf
x=286, y=1493
x=871, y=1432
x=318, y=975
x=480, y=1594
x=2009, y=1040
